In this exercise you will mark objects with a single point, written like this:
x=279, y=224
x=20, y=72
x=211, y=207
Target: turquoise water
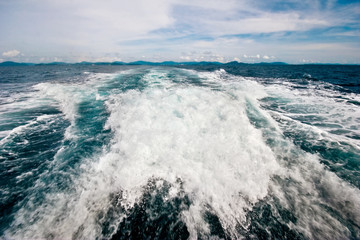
x=134, y=152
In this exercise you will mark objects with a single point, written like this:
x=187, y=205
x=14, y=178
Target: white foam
x=195, y=134
x=205, y=138
x=67, y=97
x=310, y=191
x=198, y=135
x=336, y=113
x=24, y=127
x=19, y=101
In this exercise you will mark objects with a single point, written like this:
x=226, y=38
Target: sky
x=292, y=31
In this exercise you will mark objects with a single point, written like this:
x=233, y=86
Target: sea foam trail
x=199, y=136
x=329, y=110
x=210, y=147
x=320, y=119
x=316, y=196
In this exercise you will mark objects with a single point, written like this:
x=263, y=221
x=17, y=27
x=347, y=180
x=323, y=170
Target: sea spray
x=173, y=153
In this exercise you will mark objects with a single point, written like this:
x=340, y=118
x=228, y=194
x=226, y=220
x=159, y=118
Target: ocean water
x=191, y=152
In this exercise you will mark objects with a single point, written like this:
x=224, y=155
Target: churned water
x=136, y=152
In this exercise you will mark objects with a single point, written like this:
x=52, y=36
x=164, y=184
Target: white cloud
x=11, y=53
x=322, y=47
x=129, y=19
x=60, y=27
x=219, y=18
x=228, y=6
x=266, y=23
x=307, y=61
x=268, y=57
x=253, y=57
x=163, y=29
x=187, y=58
x=204, y=56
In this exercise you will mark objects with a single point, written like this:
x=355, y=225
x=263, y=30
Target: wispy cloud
x=164, y=29
x=11, y=53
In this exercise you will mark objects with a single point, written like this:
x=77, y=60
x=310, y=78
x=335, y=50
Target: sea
x=229, y=151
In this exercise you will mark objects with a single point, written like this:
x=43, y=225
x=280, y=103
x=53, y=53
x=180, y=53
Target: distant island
x=165, y=63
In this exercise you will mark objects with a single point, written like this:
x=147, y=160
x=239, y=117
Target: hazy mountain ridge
x=165, y=63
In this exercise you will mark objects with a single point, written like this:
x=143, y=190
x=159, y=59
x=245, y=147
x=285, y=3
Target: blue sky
x=292, y=31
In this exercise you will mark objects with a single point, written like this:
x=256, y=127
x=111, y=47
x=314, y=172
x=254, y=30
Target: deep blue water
x=140, y=152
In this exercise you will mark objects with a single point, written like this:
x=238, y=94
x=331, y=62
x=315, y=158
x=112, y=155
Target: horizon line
x=169, y=62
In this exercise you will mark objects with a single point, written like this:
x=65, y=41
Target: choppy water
x=253, y=152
